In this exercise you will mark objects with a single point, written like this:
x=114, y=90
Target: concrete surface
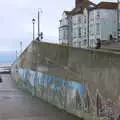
x=16, y=105
x=98, y=70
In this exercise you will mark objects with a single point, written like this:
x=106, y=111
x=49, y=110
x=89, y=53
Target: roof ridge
x=106, y=2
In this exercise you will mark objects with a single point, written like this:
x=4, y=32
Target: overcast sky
x=16, y=24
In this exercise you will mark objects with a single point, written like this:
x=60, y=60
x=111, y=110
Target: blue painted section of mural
x=78, y=87
x=56, y=90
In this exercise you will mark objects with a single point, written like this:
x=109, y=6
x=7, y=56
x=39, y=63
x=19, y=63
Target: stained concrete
x=17, y=105
x=98, y=70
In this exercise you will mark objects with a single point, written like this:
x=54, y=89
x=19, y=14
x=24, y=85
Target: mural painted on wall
x=21, y=73
x=31, y=78
x=75, y=94
x=68, y=94
x=57, y=90
x=27, y=76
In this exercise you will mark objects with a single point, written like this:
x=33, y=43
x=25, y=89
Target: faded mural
x=60, y=92
x=72, y=96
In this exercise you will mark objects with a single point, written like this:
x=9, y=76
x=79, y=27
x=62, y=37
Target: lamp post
x=20, y=47
x=33, y=21
x=16, y=54
x=39, y=12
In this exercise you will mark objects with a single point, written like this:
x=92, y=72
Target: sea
x=6, y=59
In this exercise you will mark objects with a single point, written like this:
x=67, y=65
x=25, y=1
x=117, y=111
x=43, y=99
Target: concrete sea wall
x=82, y=82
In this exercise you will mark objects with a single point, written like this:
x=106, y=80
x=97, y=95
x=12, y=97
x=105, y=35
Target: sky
x=16, y=20
x=7, y=57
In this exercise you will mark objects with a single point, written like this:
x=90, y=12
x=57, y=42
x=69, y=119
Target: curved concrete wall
x=98, y=71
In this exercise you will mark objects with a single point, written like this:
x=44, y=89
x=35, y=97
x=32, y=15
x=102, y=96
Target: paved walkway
x=16, y=105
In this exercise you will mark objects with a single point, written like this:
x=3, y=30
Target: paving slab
x=17, y=105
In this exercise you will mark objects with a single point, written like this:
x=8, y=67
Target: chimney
x=79, y=3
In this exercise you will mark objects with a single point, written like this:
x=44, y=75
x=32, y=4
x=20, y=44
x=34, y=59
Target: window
x=84, y=42
x=91, y=29
x=97, y=28
x=61, y=34
x=74, y=20
x=60, y=22
x=85, y=19
x=85, y=32
x=65, y=34
x=98, y=14
x=80, y=35
x=91, y=17
x=79, y=19
x=74, y=32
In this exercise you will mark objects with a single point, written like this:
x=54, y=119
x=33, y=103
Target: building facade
x=65, y=29
x=102, y=24
x=77, y=29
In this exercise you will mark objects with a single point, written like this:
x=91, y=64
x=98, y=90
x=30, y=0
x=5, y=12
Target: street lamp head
x=33, y=20
x=40, y=10
x=20, y=42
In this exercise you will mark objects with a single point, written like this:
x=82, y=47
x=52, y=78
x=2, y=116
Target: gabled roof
x=106, y=5
x=67, y=12
x=80, y=9
x=101, y=5
x=91, y=3
x=77, y=11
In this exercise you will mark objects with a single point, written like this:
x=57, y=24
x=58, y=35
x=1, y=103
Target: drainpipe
x=88, y=25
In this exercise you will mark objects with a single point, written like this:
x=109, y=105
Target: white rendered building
x=102, y=24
